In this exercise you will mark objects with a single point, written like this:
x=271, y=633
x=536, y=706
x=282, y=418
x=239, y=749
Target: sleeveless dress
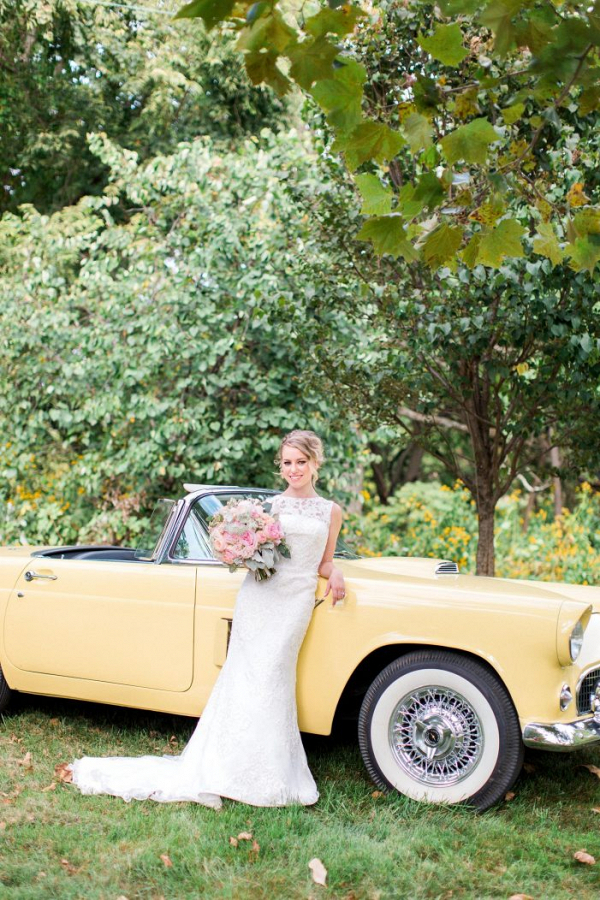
x=247, y=744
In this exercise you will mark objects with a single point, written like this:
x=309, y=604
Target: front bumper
x=563, y=736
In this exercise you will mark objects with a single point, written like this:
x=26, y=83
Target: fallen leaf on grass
x=69, y=868
x=233, y=841
x=520, y=897
x=244, y=836
x=51, y=787
x=377, y=794
x=593, y=769
x=2, y=826
x=255, y=848
x=584, y=857
x=27, y=761
x=53, y=722
x=64, y=772
x=122, y=897
x=166, y=860
x=596, y=809
x=319, y=872
x=509, y=795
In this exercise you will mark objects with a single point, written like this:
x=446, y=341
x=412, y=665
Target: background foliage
x=438, y=520
x=71, y=68
x=142, y=342
x=181, y=278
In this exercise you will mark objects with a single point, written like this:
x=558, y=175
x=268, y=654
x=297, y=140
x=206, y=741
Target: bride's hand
x=336, y=586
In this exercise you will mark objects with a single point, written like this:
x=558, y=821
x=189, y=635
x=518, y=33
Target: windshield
x=150, y=536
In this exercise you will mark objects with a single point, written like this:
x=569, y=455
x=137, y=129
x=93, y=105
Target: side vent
x=222, y=636
x=446, y=568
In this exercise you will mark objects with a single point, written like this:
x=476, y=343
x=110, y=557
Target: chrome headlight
x=571, y=626
x=576, y=641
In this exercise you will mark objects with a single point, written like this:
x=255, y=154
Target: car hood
x=421, y=570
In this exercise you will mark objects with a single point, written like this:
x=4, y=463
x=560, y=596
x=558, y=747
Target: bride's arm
x=335, y=579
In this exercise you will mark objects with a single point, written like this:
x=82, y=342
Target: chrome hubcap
x=436, y=736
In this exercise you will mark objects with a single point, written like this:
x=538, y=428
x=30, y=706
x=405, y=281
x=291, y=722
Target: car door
x=129, y=623
x=216, y=591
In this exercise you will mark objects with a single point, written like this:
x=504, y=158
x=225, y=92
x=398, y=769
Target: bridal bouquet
x=246, y=533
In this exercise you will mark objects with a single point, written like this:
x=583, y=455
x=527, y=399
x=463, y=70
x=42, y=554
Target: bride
x=247, y=745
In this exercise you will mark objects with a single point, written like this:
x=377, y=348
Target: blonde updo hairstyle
x=308, y=443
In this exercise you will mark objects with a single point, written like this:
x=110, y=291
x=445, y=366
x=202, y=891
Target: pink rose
x=229, y=557
x=274, y=531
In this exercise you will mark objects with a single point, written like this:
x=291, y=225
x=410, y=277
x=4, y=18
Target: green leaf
x=497, y=16
x=312, y=60
x=471, y=252
x=441, y=245
x=546, y=244
x=377, y=199
x=210, y=11
x=428, y=193
x=587, y=221
x=445, y=44
x=585, y=253
x=426, y=93
x=388, y=235
x=341, y=96
x=262, y=67
x=339, y=21
x=418, y=132
x=469, y=142
x=536, y=32
x=268, y=31
x=512, y=114
x=502, y=241
x=369, y=140
x=589, y=100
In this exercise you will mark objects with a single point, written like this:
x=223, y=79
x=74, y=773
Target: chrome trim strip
x=446, y=567
x=562, y=737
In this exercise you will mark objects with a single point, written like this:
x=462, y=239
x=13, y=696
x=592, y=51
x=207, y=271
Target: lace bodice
x=313, y=507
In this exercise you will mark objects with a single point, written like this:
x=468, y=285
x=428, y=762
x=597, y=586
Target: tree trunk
x=529, y=508
x=413, y=470
x=380, y=482
x=556, y=483
x=485, y=542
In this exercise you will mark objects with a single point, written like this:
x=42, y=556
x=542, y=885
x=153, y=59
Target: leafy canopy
x=471, y=95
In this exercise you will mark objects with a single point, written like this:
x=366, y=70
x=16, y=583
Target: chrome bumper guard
x=562, y=736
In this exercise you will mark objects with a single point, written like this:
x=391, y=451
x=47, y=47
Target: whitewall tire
x=440, y=727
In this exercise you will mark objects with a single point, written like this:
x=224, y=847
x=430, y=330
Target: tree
x=70, y=68
x=474, y=365
x=452, y=121
x=142, y=340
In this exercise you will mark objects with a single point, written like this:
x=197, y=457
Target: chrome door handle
x=29, y=576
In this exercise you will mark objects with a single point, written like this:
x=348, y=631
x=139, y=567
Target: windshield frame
x=169, y=546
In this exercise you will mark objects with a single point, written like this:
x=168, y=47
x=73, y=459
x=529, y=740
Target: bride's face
x=295, y=468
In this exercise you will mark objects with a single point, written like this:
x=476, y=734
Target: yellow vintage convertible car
x=449, y=676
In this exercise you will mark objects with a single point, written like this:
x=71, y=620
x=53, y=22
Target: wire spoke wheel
x=436, y=736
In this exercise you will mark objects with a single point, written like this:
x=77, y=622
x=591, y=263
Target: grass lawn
x=55, y=843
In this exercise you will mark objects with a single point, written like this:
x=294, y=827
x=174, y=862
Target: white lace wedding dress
x=246, y=745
